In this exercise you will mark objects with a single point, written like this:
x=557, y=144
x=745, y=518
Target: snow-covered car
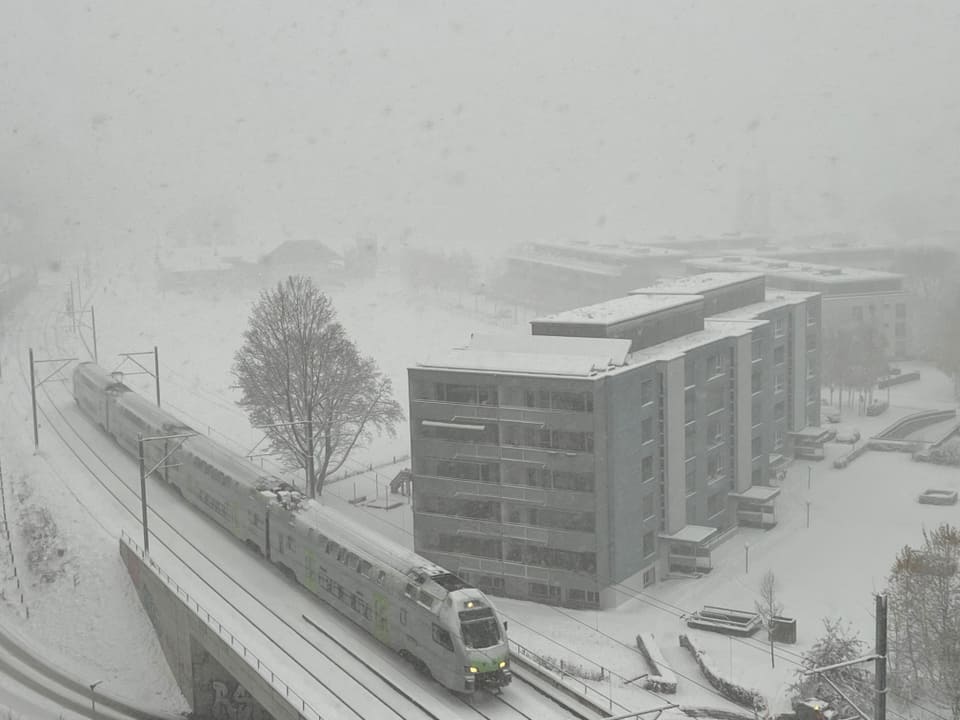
x=848, y=436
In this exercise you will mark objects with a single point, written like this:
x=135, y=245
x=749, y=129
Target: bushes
x=729, y=689
x=662, y=679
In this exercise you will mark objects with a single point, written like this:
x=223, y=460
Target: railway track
x=380, y=687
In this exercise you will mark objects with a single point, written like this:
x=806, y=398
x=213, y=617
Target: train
x=431, y=617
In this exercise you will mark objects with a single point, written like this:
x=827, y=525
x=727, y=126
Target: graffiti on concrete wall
x=217, y=694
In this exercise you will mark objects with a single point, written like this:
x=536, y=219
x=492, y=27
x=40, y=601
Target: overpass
x=219, y=675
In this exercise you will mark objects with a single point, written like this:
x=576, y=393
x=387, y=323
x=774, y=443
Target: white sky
x=456, y=122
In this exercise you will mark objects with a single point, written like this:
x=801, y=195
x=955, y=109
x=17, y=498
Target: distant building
x=617, y=443
x=566, y=274
x=850, y=295
x=300, y=257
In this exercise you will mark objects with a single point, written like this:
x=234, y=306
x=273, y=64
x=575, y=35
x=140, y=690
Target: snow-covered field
x=88, y=618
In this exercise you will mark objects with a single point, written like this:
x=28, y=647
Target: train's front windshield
x=480, y=633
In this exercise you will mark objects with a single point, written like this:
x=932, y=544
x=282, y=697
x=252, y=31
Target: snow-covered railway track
x=383, y=693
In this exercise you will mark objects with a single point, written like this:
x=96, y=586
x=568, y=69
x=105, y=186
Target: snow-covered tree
x=837, y=644
x=768, y=607
x=305, y=383
x=924, y=607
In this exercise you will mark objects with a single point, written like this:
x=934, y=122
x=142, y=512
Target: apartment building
x=850, y=295
x=614, y=445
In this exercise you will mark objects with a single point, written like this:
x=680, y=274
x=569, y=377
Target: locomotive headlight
x=503, y=664
x=473, y=670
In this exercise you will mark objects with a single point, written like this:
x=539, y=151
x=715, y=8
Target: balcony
x=538, y=417
x=565, y=459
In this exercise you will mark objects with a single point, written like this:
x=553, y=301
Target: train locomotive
x=429, y=616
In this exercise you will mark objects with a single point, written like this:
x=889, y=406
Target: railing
x=558, y=674
x=278, y=686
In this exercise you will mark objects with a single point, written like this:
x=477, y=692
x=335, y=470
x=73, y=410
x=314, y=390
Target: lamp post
x=93, y=698
x=746, y=557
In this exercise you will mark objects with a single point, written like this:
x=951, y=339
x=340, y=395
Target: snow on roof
x=614, y=251
x=584, y=266
x=678, y=346
x=733, y=328
x=810, y=272
x=775, y=300
x=621, y=309
x=696, y=284
x=691, y=533
x=535, y=355
x=762, y=493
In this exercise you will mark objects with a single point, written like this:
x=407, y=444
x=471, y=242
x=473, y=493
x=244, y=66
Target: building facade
x=850, y=295
x=614, y=445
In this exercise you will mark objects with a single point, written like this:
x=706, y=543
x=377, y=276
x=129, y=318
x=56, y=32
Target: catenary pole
x=156, y=372
x=33, y=400
x=143, y=494
x=881, y=661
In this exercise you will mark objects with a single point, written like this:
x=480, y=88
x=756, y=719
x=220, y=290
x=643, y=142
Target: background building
x=616, y=444
x=850, y=295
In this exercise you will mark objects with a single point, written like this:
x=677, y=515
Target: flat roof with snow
x=796, y=270
x=620, y=310
x=699, y=283
x=535, y=355
x=616, y=251
x=679, y=346
x=691, y=534
x=584, y=266
x=775, y=300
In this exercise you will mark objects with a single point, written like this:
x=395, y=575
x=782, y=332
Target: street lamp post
x=93, y=698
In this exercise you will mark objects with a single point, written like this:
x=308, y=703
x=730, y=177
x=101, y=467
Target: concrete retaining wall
x=217, y=675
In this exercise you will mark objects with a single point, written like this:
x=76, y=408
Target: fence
x=6, y=535
x=279, y=687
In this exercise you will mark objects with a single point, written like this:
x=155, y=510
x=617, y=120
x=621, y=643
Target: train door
x=381, y=619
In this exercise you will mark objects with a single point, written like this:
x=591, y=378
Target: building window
x=901, y=330
x=649, y=544
x=715, y=504
x=811, y=368
x=649, y=577
x=778, y=439
x=467, y=394
x=756, y=380
x=756, y=447
x=901, y=311
x=715, y=433
x=715, y=399
x=690, y=440
x=646, y=430
x=714, y=365
x=779, y=327
x=756, y=349
x=691, y=474
x=715, y=468
x=647, y=506
x=689, y=405
x=778, y=382
x=646, y=392
x=646, y=468
x=779, y=411
x=688, y=374
x=779, y=355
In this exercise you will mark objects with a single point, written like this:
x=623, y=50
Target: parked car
x=848, y=436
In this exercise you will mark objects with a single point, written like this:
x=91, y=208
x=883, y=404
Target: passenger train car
x=428, y=615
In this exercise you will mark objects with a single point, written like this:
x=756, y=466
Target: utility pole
x=309, y=462
x=881, y=649
x=143, y=495
x=33, y=402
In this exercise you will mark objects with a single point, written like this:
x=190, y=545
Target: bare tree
x=838, y=644
x=304, y=381
x=768, y=607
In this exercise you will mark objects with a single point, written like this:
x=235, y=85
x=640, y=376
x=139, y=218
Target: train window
x=381, y=576
x=426, y=599
x=352, y=561
x=367, y=613
x=321, y=539
x=342, y=555
x=364, y=568
x=403, y=616
x=290, y=542
x=442, y=637
x=331, y=547
x=411, y=592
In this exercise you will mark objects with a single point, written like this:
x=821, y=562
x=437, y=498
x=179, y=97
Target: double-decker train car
x=428, y=615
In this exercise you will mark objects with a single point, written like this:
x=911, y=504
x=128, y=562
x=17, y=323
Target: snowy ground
x=859, y=516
